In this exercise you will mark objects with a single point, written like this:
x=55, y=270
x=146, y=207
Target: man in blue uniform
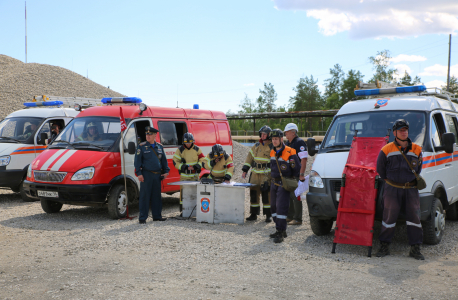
x=400, y=189
x=150, y=167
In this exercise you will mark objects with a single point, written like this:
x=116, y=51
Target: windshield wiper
x=62, y=141
x=87, y=144
x=8, y=138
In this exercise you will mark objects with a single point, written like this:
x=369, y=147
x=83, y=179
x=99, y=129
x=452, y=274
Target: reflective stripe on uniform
x=266, y=206
x=261, y=171
x=388, y=225
x=229, y=173
x=247, y=164
x=274, y=214
x=188, y=175
x=178, y=157
x=281, y=217
x=261, y=159
x=279, y=159
x=254, y=205
x=413, y=224
x=393, y=153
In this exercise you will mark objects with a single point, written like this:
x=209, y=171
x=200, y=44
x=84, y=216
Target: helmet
x=400, y=123
x=91, y=124
x=291, y=126
x=276, y=133
x=188, y=138
x=265, y=129
x=217, y=151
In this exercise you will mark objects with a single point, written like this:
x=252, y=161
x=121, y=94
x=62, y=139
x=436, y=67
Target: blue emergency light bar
x=43, y=103
x=394, y=90
x=121, y=100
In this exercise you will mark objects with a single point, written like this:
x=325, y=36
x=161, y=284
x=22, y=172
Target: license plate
x=337, y=196
x=48, y=194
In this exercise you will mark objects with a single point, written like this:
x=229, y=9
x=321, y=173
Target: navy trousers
x=279, y=201
x=150, y=196
x=393, y=199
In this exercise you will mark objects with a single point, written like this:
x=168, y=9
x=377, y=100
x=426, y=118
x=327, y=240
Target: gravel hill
x=19, y=82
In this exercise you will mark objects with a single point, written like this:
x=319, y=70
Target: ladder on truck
x=70, y=102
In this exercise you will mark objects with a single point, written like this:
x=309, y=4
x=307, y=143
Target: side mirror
x=448, y=139
x=43, y=138
x=131, y=148
x=311, y=146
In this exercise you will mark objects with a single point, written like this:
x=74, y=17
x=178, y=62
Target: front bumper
x=69, y=194
x=322, y=203
x=11, y=178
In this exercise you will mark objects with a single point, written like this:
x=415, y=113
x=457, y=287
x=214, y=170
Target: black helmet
x=400, y=123
x=265, y=129
x=217, y=151
x=188, y=138
x=276, y=133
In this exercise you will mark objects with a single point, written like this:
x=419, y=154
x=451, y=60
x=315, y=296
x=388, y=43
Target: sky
x=213, y=53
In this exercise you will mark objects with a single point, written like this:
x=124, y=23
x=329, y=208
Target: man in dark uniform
x=400, y=189
x=283, y=163
x=150, y=167
x=298, y=144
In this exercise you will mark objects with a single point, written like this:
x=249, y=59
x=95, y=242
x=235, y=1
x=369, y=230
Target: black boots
x=252, y=217
x=280, y=236
x=278, y=232
x=268, y=219
x=384, y=250
x=415, y=252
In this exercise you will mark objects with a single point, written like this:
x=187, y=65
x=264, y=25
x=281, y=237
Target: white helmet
x=291, y=126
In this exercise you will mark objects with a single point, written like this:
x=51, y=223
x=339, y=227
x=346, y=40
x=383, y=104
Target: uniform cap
x=150, y=130
x=291, y=126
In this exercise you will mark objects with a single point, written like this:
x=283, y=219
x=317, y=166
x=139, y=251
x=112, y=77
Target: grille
x=49, y=176
x=336, y=185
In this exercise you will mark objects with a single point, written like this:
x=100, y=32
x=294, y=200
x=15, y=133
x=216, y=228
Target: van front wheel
x=51, y=207
x=320, y=227
x=433, y=230
x=117, y=202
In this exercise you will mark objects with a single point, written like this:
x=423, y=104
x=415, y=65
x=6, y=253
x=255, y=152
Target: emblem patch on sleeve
x=283, y=167
x=414, y=163
x=139, y=151
x=302, y=148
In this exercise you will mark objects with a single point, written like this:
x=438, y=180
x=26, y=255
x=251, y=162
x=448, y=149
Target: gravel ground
x=81, y=254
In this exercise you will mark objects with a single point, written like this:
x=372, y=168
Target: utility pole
x=449, y=52
x=25, y=31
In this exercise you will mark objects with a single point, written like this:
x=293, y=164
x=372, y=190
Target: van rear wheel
x=51, y=207
x=433, y=230
x=320, y=227
x=117, y=202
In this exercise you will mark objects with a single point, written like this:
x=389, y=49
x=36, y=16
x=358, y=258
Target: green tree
x=381, y=65
x=407, y=79
x=453, y=85
x=345, y=91
x=266, y=100
x=307, y=98
x=333, y=84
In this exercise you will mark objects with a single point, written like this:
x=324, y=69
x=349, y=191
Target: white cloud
x=376, y=19
x=440, y=70
x=435, y=83
x=248, y=84
x=402, y=68
x=405, y=57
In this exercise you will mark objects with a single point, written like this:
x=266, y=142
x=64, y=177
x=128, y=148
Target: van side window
x=172, y=132
x=437, y=130
x=451, y=121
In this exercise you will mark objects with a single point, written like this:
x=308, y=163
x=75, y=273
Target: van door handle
x=448, y=165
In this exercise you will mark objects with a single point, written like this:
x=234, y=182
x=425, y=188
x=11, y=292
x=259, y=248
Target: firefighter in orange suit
x=220, y=164
x=188, y=161
x=259, y=159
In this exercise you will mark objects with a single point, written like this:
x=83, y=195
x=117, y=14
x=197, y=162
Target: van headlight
x=29, y=171
x=315, y=180
x=84, y=174
x=4, y=160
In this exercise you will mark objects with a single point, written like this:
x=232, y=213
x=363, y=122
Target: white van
x=23, y=132
x=433, y=125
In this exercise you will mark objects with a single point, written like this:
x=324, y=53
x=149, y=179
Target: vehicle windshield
x=18, y=130
x=373, y=124
x=90, y=132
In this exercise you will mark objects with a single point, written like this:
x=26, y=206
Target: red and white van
x=79, y=171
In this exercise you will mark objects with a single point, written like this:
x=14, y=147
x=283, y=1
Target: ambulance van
x=21, y=135
x=78, y=170
x=433, y=120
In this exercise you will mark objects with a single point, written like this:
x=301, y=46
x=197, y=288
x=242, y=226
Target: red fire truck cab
x=83, y=165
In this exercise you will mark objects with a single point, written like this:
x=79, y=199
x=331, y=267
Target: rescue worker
x=220, y=164
x=188, y=161
x=259, y=158
x=55, y=130
x=30, y=129
x=150, y=167
x=91, y=133
x=289, y=167
x=400, y=189
x=298, y=144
